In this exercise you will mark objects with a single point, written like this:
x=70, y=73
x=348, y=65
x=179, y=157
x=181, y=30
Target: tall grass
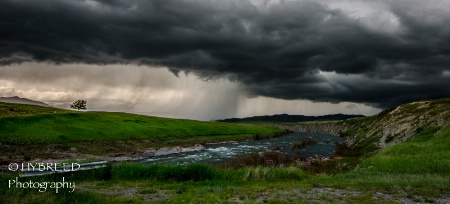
x=201, y=172
x=272, y=174
x=163, y=172
x=170, y=174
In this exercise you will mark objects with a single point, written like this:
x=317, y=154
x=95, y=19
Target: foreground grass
x=413, y=171
x=27, y=124
x=203, y=184
x=420, y=166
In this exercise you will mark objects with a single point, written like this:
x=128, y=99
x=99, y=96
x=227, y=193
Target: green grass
x=425, y=154
x=204, y=184
x=149, y=179
x=418, y=169
x=26, y=124
x=421, y=166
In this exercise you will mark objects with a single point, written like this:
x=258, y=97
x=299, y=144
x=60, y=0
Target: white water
x=216, y=153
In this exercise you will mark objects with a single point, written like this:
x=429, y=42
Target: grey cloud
x=124, y=88
x=274, y=50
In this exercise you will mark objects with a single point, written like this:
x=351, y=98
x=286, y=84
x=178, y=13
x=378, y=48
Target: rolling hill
x=18, y=100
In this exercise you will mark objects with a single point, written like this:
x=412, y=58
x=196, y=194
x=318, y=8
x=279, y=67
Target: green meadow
x=27, y=124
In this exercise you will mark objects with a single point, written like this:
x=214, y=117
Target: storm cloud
x=375, y=52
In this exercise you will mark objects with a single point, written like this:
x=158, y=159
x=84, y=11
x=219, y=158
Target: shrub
x=303, y=143
x=276, y=147
x=256, y=159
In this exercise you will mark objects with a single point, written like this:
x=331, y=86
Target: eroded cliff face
x=335, y=128
x=388, y=127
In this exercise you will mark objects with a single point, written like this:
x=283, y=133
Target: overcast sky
x=211, y=59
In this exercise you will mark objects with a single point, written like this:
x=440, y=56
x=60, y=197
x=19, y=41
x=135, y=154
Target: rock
x=178, y=149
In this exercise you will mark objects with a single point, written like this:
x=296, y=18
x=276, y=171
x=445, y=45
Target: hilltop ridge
x=18, y=100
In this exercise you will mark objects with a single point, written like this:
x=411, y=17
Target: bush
x=303, y=143
x=276, y=147
x=256, y=159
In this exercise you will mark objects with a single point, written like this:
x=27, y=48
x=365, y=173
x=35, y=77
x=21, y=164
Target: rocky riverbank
x=59, y=153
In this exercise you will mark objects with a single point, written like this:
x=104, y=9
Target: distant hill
x=285, y=118
x=16, y=99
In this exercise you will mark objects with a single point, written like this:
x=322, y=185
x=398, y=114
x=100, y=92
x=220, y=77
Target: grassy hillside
x=30, y=132
x=387, y=128
x=426, y=153
x=26, y=124
x=13, y=109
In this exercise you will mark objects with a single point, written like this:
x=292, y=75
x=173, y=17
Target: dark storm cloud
x=398, y=54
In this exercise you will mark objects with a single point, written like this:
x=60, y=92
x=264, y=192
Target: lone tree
x=80, y=104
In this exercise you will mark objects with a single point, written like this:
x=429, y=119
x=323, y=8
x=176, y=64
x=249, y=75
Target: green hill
x=34, y=125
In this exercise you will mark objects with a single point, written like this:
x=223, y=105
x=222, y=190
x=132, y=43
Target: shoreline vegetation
x=404, y=169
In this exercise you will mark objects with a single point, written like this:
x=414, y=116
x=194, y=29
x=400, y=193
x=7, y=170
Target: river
x=217, y=153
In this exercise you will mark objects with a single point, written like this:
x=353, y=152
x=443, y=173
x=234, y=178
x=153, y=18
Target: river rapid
x=221, y=152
